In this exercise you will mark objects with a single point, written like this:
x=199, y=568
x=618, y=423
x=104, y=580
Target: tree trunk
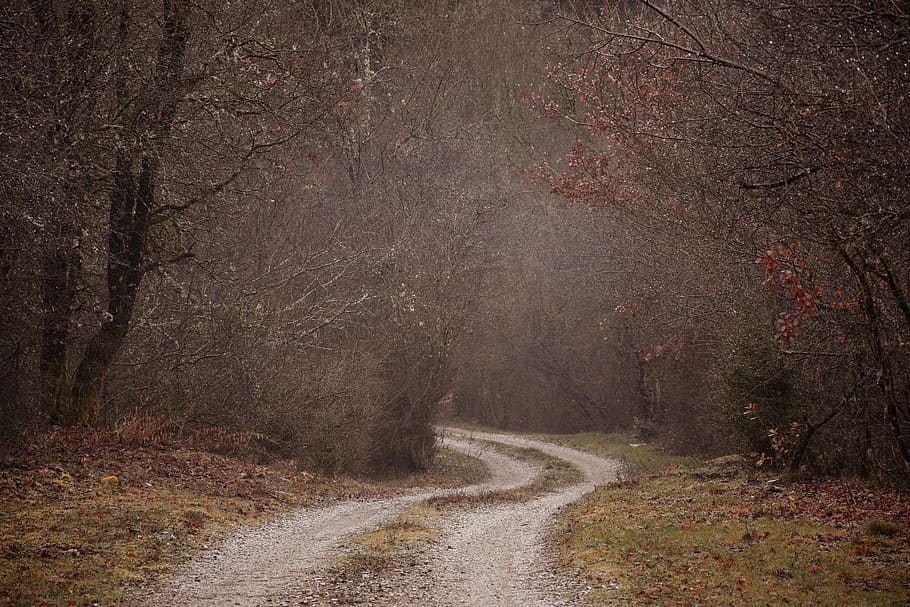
x=131, y=204
x=62, y=263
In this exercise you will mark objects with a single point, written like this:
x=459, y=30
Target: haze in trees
x=761, y=135
x=310, y=221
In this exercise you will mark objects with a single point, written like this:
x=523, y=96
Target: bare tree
x=757, y=126
x=125, y=94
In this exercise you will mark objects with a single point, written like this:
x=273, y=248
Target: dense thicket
x=255, y=217
x=742, y=279
x=745, y=143
x=302, y=224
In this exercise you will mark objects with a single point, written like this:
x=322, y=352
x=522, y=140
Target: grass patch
x=376, y=552
x=715, y=535
x=554, y=474
x=639, y=457
x=879, y=528
x=86, y=520
x=379, y=550
x=450, y=468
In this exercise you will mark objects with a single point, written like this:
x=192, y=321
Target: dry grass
x=394, y=543
x=554, y=474
x=85, y=519
x=378, y=551
x=718, y=535
x=450, y=469
x=638, y=457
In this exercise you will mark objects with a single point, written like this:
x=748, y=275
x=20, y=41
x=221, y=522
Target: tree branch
x=703, y=54
x=770, y=185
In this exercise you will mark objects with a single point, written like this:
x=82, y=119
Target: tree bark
x=62, y=263
x=132, y=202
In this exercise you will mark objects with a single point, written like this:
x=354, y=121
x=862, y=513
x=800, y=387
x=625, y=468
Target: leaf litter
x=720, y=535
x=87, y=518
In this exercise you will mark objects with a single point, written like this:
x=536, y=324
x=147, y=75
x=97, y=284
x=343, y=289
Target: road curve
x=494, y=557
x=254, y=566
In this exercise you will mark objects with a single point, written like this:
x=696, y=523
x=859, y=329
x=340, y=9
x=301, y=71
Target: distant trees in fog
x=310, y=221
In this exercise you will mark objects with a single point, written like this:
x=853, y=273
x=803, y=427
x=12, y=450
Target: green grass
x=554, y=474
x=392, y=544
x=713, y=534
x=449, y=469
x=640, y=458
x=379, y=550
x=679, y=531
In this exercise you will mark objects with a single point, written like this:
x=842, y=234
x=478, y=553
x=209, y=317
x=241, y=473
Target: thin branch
x=704, y=54
x=672, y=20
x=777, y=184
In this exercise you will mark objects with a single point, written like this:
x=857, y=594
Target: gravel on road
x=492, y=556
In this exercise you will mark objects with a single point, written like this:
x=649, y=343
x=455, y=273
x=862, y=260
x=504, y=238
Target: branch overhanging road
x=491, y=556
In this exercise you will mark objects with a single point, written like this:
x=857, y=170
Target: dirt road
x=494, y=556
x=490, y=556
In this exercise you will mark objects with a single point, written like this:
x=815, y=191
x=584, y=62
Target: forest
x=311, y=229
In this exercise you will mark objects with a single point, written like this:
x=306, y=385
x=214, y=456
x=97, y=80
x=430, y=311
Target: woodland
x=313, y=228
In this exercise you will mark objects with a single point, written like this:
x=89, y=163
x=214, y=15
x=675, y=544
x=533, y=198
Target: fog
x=322, y=227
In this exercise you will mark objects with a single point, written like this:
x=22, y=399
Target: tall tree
x=123, y=95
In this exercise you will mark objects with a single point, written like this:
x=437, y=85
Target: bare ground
x=490, y=556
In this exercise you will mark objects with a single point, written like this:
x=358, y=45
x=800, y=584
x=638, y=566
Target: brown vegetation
x=733, y=272
x=93, y=517
x=309, y=223
x=718, y=533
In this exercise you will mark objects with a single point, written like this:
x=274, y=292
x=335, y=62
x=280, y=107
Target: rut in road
x=490, y=557
x=493, y=557
x=255, y=566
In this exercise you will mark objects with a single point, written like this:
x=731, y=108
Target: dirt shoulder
x=257, y=565
x=86, y=519
x=723, y=533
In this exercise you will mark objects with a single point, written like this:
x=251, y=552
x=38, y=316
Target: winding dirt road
x=489, y=557
x=494, y=556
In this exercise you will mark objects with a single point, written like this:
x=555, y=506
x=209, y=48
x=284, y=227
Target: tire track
x=494, y=557
x=255, y=566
